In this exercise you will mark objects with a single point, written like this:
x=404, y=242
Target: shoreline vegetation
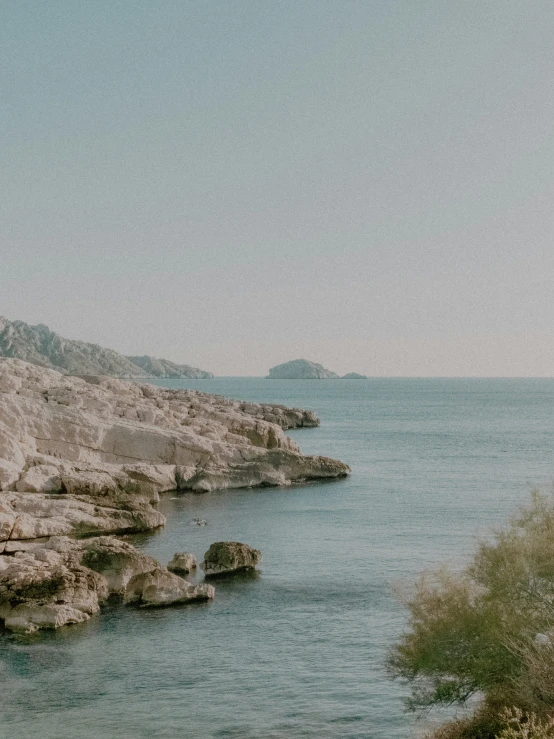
x=81, y=458
x=487, y=633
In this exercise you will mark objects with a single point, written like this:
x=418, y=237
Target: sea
x=298, y=650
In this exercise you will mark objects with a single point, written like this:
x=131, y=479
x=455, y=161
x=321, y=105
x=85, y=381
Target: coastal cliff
x=45, y=348
x=89, y=456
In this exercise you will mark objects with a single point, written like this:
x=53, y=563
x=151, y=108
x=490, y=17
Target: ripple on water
x=298, y=650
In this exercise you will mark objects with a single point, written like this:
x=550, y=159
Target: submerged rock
x=227, y=557
x=183, y=562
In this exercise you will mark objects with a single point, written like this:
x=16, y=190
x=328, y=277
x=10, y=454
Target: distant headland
x=303, y=369
x=39, y=345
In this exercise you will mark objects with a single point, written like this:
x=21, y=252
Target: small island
x=303, y=369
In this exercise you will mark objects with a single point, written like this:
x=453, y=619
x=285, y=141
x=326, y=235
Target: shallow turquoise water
x=297, y=651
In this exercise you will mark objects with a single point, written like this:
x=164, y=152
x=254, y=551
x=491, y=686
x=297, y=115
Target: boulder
x=64, y=581
x=45, y=589
x=162, y=588
x=228, y=557
x=117, y=561
x=183, y=563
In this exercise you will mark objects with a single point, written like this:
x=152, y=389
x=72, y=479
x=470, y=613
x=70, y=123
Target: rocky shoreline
x=82, y=457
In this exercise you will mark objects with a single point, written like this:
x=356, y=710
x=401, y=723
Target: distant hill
x=165, y=368
x=303, y=369
x=39, y=345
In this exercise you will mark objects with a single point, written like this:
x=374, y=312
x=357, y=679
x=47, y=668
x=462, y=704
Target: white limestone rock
x=117, y=561
x=183, y=563
x=43, y=478
x=159, y=588
x=92, y=455
x=45, y=589
x=228, y=557
x=64, y=582
x=32, y=516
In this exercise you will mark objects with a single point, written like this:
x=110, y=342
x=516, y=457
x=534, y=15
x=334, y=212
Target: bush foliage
x=488, y=630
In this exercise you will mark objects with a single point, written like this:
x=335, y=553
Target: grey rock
x=46, y=589
x=117, y=561
x=160, y=588
x=183, y=563
x=64, y=581
x=91, y=456
x=228, y=557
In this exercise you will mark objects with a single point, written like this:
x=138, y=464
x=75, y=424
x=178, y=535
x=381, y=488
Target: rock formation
x=228, y=557
x=90, y=456
x=302, y=369
x=64, y=581
x=182, y=563
x=39, y=345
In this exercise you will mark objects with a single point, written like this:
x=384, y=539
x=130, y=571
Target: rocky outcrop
x=90, y=456
x=160, y=588
x=303, y=369
x=39, y=345
x=228, y=557
x=163, y=368
x=183, y=563
x=65, y=582
x=26, y=517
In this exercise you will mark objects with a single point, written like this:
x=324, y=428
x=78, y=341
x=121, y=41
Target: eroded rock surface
x=227, y=557
x=183, y=563
x=88, y=457
x=159, y=588
x=84, y=456
x=65, y=581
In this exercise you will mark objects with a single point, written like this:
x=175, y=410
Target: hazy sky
x=365, y=183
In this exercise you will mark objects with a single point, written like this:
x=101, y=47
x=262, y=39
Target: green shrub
x=489, y=629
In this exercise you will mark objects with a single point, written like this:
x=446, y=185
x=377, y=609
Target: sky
x=233, y=184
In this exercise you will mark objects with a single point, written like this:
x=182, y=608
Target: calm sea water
x=297, y=651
